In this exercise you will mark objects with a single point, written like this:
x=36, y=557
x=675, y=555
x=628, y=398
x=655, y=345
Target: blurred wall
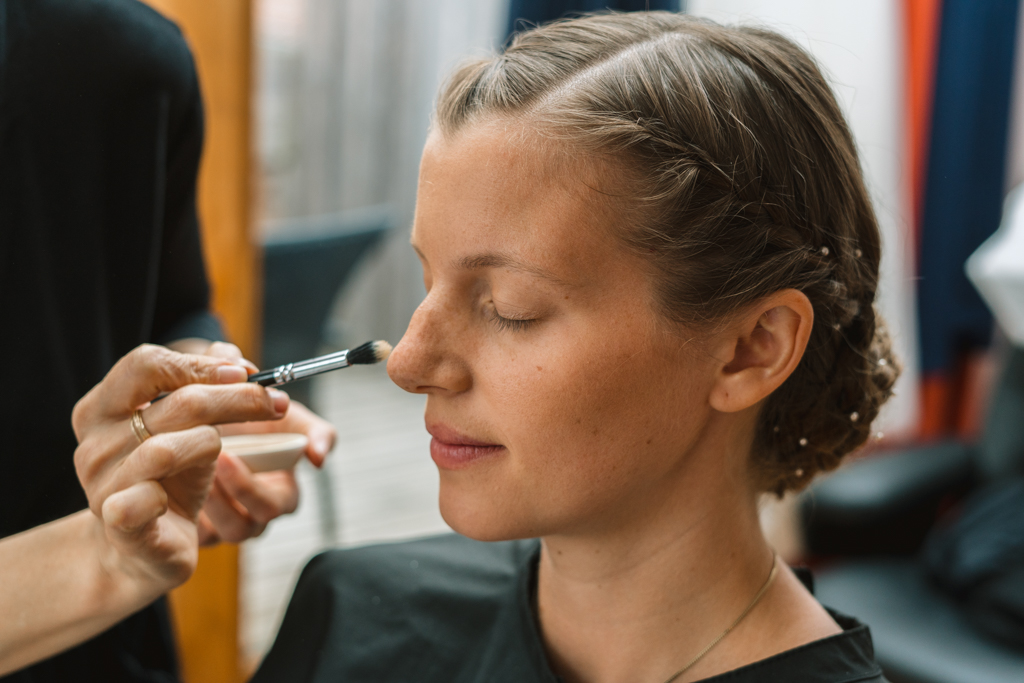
x=346, y=89
x=859, y=46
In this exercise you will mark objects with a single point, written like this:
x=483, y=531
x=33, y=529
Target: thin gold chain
x=716, y=641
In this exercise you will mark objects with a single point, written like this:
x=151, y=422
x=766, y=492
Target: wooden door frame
x=206, y=608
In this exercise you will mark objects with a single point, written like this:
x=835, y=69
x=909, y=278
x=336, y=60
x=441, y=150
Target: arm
x=64, y=582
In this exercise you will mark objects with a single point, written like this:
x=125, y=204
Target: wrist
x=122, y=582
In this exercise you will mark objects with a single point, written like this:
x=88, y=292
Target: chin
x=475, y=512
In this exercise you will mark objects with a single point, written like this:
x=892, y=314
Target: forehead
x=497, y=187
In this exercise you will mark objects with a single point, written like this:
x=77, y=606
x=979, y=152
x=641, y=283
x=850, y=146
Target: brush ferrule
x=334, y=361
x=284, y=374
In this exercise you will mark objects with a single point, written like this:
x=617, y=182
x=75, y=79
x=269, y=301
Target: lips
x=451, y=450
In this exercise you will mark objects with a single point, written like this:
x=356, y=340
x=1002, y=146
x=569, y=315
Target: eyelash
x=510, y=324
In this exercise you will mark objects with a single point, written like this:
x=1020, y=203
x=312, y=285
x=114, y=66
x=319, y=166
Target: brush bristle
x=369, y=353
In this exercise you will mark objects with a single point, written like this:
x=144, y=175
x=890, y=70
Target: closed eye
x=510, y=324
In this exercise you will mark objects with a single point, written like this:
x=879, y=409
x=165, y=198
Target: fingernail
x=280, y=400
x=249, y=366
x=230, y=374
x=322, y=446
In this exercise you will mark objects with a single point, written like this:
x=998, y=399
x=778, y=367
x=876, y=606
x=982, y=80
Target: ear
x=761, y=350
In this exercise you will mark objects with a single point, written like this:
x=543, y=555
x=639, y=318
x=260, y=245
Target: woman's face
x=558, y=400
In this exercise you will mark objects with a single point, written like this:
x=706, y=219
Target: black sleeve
x=312, y=613
x=183, y=295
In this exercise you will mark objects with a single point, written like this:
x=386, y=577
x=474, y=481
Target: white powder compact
x=266, y=452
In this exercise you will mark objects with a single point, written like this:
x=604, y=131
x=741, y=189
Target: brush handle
x=291, y=372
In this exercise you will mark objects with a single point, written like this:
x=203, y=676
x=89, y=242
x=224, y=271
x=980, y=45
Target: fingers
x=108, y=442
x=230, y=352
x=299, y=420
x=230, y=521
x=161, y=457
x=321, y=433
x=265, y=496
x=144, y=374
x=204, y=528
x=130, y=510
x=205, y=405
x=242, y=503
x=151, y=541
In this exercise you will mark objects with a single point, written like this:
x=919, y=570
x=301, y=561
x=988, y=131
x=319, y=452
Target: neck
x=636, y=600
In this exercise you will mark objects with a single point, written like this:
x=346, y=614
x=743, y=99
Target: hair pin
x=854, y=416
x=825, y=251
x=803, y=441
x=858, y=253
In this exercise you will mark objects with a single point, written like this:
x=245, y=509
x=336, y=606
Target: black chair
x=302, y=275
x=876, y=514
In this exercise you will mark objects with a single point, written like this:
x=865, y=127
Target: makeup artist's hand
x=149, y=495
x=242, y=503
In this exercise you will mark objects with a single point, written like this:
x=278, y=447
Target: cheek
x=595, y=418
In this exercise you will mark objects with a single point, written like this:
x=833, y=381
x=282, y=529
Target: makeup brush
x=367, y=354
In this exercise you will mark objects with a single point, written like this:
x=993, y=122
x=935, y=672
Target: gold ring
x=139, y=427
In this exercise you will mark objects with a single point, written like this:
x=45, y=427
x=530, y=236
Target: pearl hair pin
x=824, y=251
x=803, y=442
x=854, y=416
x=858, y=253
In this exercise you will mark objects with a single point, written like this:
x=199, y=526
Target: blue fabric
x=525, y=13
x=966, y=162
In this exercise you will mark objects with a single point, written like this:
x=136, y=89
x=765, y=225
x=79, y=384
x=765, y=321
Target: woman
x=650, y=263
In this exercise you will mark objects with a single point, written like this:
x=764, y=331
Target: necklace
x=723, y=634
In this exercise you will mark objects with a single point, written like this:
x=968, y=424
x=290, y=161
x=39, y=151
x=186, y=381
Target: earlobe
x=764, y=348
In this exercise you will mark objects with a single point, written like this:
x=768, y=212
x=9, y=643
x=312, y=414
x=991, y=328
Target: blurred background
x=317, y=113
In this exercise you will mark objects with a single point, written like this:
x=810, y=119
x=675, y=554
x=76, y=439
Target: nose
x=427, y=360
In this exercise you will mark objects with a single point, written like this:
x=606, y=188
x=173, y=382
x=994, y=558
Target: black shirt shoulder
x=436, y=609
x=455, y=610
x=112, y=41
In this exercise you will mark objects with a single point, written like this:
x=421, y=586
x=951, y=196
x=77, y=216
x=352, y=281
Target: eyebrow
x=494, y=260
x=497, y=260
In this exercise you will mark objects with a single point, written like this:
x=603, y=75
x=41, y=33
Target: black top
x=452, y=610
x=101, y=128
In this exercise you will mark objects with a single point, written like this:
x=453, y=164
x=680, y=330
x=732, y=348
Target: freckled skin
x=618, y=400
